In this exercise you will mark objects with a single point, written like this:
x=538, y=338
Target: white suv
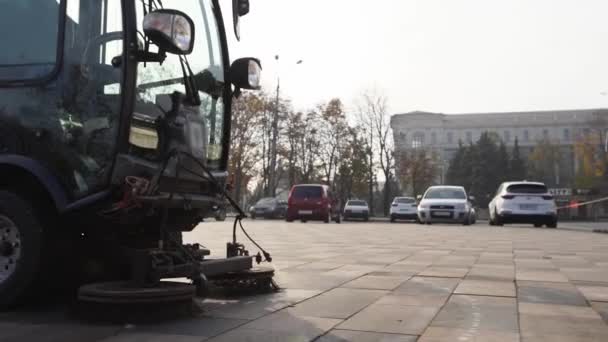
x=523, y=202
x=404, y=208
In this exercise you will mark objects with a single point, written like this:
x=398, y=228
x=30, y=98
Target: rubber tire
x=253, y=216
x=328, y=218
x=288, y=219
x=392, y=219
x=552, y=224
x=467, y=222
x=22, y=282
x=538, y=225
x=221, y=216
x=497, y=220
x=338, y=219
x=366, y=219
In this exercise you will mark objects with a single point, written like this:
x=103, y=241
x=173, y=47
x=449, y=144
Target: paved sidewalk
x=388, y=282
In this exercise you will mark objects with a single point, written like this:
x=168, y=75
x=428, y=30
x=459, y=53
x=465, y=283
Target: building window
x=469, y=137
x=526, y=135
x=450, y=138
x=418, y=140
x=566, y=134
x=433, y=138
x=507, y=136
x=545, y=134
x=402, y=136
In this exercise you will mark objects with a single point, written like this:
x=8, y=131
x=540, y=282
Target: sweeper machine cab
x=114, y=135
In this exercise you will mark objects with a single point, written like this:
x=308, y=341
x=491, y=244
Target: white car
x=523, y=202
x=403, y=208
x=443, y=203
x=356, y=209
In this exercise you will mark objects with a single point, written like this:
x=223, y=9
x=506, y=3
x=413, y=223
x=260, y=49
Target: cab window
x=30, y=30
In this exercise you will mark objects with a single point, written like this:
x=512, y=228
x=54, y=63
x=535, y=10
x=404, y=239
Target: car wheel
x=345, y=218
x=253, y=216
x=392, y=218
x=552, y=224
x=21, y=249
x=467, y=221
x=429, y=223
x=338, y=218
x=538, y=225
x=366, y=219
x=327, y=218
x=497, y=220
x=303, y=220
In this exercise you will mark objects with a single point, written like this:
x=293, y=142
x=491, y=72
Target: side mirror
x=171, y=30
x=245, y=73
x=472, y=198
x=418, y=197
x=239, y=9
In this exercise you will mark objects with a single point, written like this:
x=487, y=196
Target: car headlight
x=422, y=207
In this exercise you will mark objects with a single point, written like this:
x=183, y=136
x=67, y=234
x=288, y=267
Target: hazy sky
x=451, y=56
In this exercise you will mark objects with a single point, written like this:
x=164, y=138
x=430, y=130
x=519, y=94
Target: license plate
x=442, y=213
x=305, y=212
x=527, y=206
x=404, y=210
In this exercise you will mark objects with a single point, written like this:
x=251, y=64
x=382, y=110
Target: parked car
x=268, y=208
x=523, y=202
x=403, y=208
x=449, y=204
x=312, y=202
x=356, y=209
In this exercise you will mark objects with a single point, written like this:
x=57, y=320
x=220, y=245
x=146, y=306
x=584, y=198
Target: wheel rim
x=10, y=248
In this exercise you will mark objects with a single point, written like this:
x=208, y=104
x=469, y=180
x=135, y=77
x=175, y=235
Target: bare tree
x=373, y=112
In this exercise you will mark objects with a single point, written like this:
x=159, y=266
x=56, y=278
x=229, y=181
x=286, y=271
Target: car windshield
x=404, y=200
x=445, y=193
x=527, y=189
x=357, y=203
x=265, y=201
x=301, y=192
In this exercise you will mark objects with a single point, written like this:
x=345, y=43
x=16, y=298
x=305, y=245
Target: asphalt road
x=379, y=281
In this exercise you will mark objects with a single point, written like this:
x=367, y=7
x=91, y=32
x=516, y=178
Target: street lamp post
x=275, y=133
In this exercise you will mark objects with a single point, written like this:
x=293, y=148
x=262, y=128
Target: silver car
x=448, y=204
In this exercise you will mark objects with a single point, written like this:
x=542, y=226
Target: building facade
x=441, y=134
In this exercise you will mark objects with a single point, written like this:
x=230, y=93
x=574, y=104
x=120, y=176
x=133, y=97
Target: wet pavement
x=378, y=281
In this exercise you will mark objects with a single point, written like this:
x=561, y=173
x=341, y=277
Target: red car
x=312, y=202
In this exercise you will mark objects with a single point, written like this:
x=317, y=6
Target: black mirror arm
x=145, y=56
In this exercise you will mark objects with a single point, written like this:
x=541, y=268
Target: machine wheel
x=122, y=301
x=552, y=224
x=21, y=248
x=288, y=219
x=253, y=216
x=467, y=222
x=338, y=219
x=366, y=218
x=392, y=219
x=538, y=225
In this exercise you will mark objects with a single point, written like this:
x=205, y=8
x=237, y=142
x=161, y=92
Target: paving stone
x=323, y=266
x=253, y=307
x=427, y=286
x=549, y=293
x=540, y=275
x=557, y=310
x=288, y=322
x=594, y=293
x=486, y=288
x=202, y=327
x=602, y=309
x=338, y=303
x=535, y=327
x=478, y=313
x=446, y=272
x=397, y=319
x=419, y=300
x=337, y=335
x=440, y=334
x=493, y=272
x=152, y=337
x=594, y=274
x=20, y=332
x=254, y=335
x=376, y=282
